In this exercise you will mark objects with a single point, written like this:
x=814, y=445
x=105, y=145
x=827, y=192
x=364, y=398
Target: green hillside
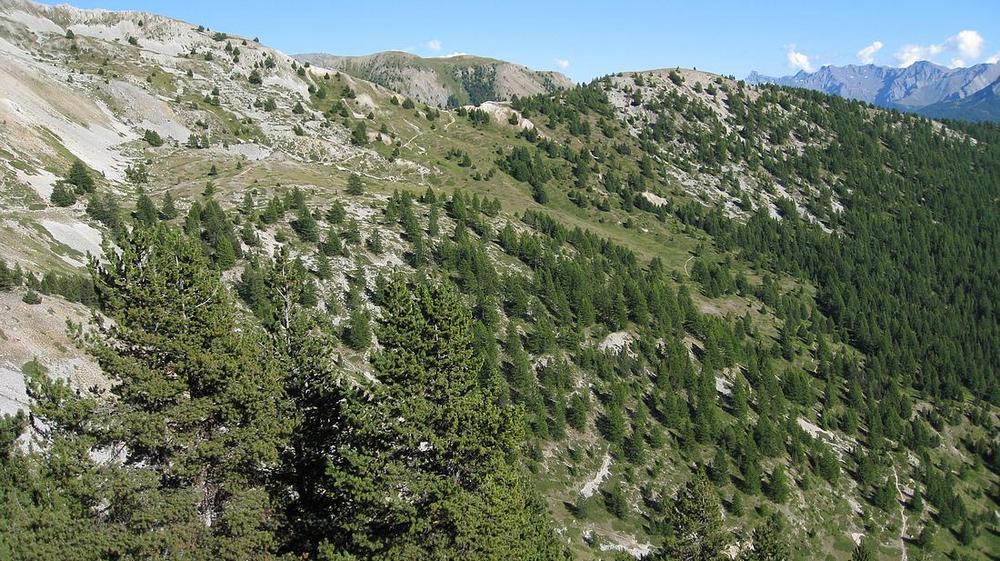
x=663, y=315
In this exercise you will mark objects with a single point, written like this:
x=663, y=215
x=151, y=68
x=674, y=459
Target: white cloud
x=798, y=60
x=968, y=42
x=434, y=44
x=452, y=55
x=912, y=53
x=562, y=63
x=961, y=47
x=994, y=59
x=867, y=54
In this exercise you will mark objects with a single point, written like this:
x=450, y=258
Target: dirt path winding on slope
x=902, y=514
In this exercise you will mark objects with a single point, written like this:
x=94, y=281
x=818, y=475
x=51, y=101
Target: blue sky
x=585, y=39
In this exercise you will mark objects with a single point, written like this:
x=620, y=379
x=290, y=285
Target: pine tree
x=192, y=222
x=736, y=505
x=225, y=254
x=777, y=486
x=769, y=542
x=719, y=470
x=62, y=195
x=827, y=465
x=543, y=339
x=274, y=211
x=31, y=298
x=314, y=385
x=296, y=199
x=354, y=185
x=352, y=232
x=865, y=551
x=576, y=414
x=696, y=519
x=169, y=210
x=305, y=225
x=331, y=245
x=323, y=269
x=925, y=539
x=63, y=473
x=336, y=213
x=79, y=177
x=967, y=532
x=248, y=234
x=248, y=206
x=359, y=135
x=432, y=221
x=428, y=471
x=145, y=209
x=359, y=333
x=616, y=502
x=374, y=242
x=153, y=138
x=197, y=401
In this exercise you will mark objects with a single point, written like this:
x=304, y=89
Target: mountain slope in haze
x=983, y=105
x=908, y=89
x=444, y=81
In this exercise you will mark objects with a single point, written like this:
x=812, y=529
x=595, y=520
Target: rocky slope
x=444, y=81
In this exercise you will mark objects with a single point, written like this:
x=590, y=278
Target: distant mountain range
x=444, y=81
x=923, y=87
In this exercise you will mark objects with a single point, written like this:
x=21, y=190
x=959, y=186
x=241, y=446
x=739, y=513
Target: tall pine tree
x=426, y=464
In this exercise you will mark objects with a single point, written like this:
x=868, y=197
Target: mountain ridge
x=911, y=88
x=447, y=81
x=983, y=105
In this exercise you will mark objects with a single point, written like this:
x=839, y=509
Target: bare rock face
x=445, y=81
